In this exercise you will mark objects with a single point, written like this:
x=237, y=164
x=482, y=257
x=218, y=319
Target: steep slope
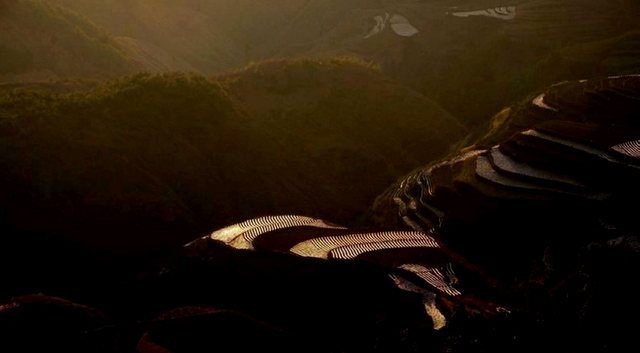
x=39, y=41
x=472, y=65
x=489, y=62
x=530, y=141
x=472, y=57
x=169, y=35
x=544, y=204
x=168, y=158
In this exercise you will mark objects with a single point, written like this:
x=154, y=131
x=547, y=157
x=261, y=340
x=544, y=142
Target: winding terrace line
x=434, y=277
x=503, y=13
x=578, y=146
x=539, y=102
x=323, y=246
x=241, y=235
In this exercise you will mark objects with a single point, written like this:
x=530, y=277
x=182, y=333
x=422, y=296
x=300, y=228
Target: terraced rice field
x=434, y=276
x=582, y=20
x=505, y=164
x=432, y=270
x=503, y=13
x=351, y=245
x=558, y=160
x=629, y=148
x=539, y=102
x=573, y=144
x=241, y=235
x=399, y=25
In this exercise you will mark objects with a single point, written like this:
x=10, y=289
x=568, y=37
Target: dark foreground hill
x=39, y=41
x=146, y=162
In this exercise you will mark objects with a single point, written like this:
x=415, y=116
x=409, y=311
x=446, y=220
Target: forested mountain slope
x=39, y=41
x=472, y=57
x=149, y=161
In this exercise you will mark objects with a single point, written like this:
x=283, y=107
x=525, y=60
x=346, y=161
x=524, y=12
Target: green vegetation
x=55, y=42
x=473, y=67
x=175, y=156
x=352, y=60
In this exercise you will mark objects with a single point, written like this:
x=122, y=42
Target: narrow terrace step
x=629, y=148
x=506, y=166
x=282, y=240
x=241, y=235
x=472, y=186
x=603, y=137
x=348, y=252
x=620, y=171
x=544, y=152
x=349, y=246
x=440, y=278
x=429, y=257
x=484, y=170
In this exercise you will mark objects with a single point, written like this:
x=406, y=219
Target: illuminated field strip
x=485, y=171
x=399, y=24
x=406, y=187
x=424, y=180
x=246, y=240
x=429, y=186
x=433, y=276
x=505, y=163
x=576, y=145
x=321, y=247
x=381, y=23
x=402, y=207
x=539, y=102
x=428, y=300
x=352, y=251
x=228, y=234
x=503, y=13
x=624, y=76
x=269, y=219
x=463, y=157
x=241, y=235
x=629, y=148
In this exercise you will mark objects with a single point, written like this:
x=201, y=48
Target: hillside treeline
x=149, y=161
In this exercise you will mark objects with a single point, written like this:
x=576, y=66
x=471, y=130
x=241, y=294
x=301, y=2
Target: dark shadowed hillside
x=148, y=161
x=545, y=203
x=39, y=41
x=359, y=175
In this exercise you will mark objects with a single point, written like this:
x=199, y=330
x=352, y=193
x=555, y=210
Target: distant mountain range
x=485, y=61
x=40, y=42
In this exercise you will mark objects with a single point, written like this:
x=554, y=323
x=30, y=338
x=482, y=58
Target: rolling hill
x=39, y=41
x=169, y=35
x=146, y=162
x=482, y=53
